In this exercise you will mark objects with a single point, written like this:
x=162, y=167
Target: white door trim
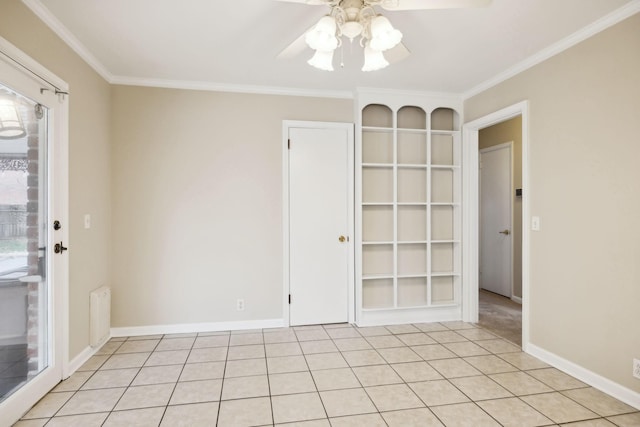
x=349, y=128
x=511, y=251
x=38, y=83
x=470, y=217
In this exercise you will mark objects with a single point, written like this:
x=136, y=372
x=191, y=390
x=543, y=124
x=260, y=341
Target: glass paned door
x=24, y=293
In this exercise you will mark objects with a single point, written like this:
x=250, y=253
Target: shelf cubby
x=377, y=146
x=377, y=223
x=377, y=293
x=443, y=119
x=412, y=292
x=412, y=185
x=412, y=259
x=443, y=257
x=442, y=185
x=377, y=115
x=377, y=260
x=412, y=223
x=442, y=149
x=377, y=185
x=442, y=222
x=442, y=290
x=412, y=147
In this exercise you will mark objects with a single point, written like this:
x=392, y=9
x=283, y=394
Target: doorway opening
x=471, y=295
x=500, y=250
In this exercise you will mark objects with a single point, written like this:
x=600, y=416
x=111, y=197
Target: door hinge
x=288, y=144
x=289, y=298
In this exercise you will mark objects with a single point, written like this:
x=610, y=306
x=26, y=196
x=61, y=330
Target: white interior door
x=495, y=220
x=319, y=241
x=33, y=192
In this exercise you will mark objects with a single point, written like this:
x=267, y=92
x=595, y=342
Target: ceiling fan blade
x=397, y=53
x=310, y=2
x=432, y=4
x=294, y=49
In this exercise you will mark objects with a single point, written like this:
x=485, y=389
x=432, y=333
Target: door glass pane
x=23, y=240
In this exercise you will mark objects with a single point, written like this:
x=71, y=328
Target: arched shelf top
x=445, y=119
x=377, y=115
x=412, y=117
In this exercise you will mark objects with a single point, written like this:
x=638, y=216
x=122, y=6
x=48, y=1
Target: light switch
x=87, y=221
x=535, y=223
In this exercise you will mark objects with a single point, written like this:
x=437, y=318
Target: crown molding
x=226, y=87
x=428, y=94
x=63, y=32
x=590, y=30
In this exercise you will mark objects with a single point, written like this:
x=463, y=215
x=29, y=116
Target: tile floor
x=432, y=374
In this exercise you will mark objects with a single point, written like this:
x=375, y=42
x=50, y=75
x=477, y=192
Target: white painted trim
x=603, y=384
x=584, y=33
x=383, y=92
x=229, y=87
x=516, y=299
x=182, y=328
x=42, y=12
x=80, y=360
x=396, y=316
x=24, y=61
x=349, y=127
x=470, y=223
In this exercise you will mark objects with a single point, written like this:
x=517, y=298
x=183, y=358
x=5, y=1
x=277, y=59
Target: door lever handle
x=58, y=248
x=505, y=232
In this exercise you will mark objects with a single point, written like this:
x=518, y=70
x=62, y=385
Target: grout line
x=338, y=338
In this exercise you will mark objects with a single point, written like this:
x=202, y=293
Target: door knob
x=342, y=239
x=505, y=232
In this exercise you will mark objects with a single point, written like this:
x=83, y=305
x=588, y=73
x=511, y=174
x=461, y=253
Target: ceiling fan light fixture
x=322, y=60
x=383, y=35
x=373, y=59
x=351, y=29
x=11, y=126
x=323, y=35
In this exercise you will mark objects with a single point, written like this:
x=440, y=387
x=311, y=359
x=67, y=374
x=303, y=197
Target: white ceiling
x=235, y=42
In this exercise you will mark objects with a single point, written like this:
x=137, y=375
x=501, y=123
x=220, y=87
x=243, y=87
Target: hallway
x=501, y=316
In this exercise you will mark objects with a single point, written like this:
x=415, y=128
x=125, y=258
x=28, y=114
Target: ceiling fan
x=359, y=18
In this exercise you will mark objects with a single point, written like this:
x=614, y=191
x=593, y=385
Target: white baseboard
x=409, y=315
x=134, y=331
x=78, y=361
x=516, y=299
x=614, y=389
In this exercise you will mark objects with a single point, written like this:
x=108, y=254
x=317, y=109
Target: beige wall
x=197, y=193
x=584, y=151
x=510, y=130
x=89, y=164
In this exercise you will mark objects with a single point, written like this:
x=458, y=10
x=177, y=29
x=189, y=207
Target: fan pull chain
x=342, y=56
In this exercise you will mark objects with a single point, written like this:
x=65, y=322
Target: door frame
x=49, y=85
x=511, y=246
x=349, y=128
x=470, y=213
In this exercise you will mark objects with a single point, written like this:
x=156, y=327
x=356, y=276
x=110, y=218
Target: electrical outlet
x=636, y=368
x=240, y=305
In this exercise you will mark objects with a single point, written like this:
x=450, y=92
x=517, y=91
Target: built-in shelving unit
x=408, y=189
